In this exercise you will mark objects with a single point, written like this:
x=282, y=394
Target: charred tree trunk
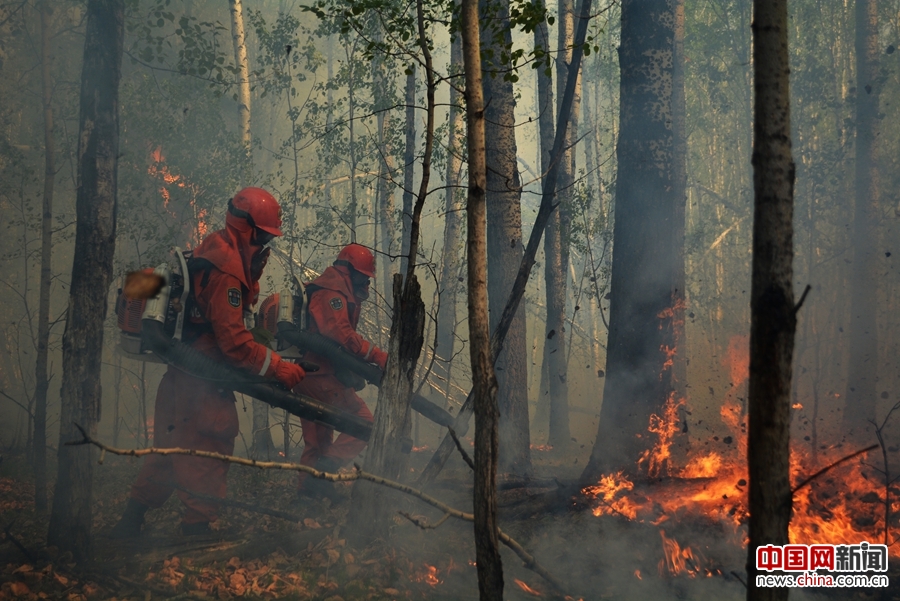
x=863, y=348
x=42, y=383
x=638, y=381
x=95, y=238
x=679, y=194
x=487, y=544
x=450, y=255
x=504, y=237
x=773, y=316
x=388, y=453
x=409, y=159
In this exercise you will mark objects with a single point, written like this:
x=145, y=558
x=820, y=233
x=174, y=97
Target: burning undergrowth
x=709, y=494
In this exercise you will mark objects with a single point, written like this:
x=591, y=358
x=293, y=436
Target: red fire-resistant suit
x=334, y=312
x=194, y=413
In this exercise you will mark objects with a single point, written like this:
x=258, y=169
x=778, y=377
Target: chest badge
x=336, y=303
x=234, y=297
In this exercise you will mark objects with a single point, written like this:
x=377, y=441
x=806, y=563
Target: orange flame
x=429, y=576
x=160, y=170
x=541, y=447
x=677, y=560
x=527, y=588
x=665, y=427
x=739, y=359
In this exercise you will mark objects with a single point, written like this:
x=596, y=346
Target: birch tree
x=504, y=233
x=262, y=444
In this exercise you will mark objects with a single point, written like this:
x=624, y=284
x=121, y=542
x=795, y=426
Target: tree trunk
x=461, y=424
x=504, y=238
x=262, y=445
x=546, y=133
x=773, y=317
x=409, y=159
x=487, y=550
x=39, y=440
x=382, y=93
x=243, y=67
x=861, y=393
x=556, y=253
x=351, y=129
x=638, y=380
x=450, y=255
x=679, y=194
x=388, y=452
x=95, y=237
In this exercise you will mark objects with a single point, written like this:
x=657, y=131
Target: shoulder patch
x=234, y=297
x=336, y=303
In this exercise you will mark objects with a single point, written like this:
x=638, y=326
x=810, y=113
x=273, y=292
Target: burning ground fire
x=429, y=575
x=845, y=505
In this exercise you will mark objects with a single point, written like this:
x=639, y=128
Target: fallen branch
x=422, y=523
x=18, y=544
x=358, y=474
x=828, y=467
x=462, y=451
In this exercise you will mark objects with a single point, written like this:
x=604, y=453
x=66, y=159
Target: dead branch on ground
x=358, y=474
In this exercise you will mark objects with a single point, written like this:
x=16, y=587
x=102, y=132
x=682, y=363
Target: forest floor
x=314, y=555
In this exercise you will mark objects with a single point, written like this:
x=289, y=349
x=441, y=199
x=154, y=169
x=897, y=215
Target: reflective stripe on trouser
x=190, y=413
x=319, y=440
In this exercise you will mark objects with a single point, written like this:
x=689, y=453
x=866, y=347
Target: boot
x=129, y=526
x=318, y=488
x=196, y=529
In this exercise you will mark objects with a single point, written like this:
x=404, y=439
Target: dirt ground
x=308, y=551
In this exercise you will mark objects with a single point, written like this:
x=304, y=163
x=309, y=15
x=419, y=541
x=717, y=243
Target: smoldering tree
x=773, y=315
x=643, y=279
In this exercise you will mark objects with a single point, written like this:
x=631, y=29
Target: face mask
x=262, y=239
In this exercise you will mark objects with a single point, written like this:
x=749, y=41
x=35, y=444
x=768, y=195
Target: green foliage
x=186, y=45
x=179, y=163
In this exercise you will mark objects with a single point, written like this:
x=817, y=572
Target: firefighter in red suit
x=194, y=413
x=335, y=299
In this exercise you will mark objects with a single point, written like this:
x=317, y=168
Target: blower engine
x=167, y=307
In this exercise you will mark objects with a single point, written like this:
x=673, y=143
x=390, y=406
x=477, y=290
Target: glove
x=258, y=263
x=379, y=358
x=289, y=374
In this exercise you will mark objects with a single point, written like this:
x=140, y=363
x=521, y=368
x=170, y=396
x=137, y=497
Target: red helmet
x=359, y=257
x=258, y=208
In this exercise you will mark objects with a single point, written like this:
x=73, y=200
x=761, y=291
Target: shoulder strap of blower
x=194, y=329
